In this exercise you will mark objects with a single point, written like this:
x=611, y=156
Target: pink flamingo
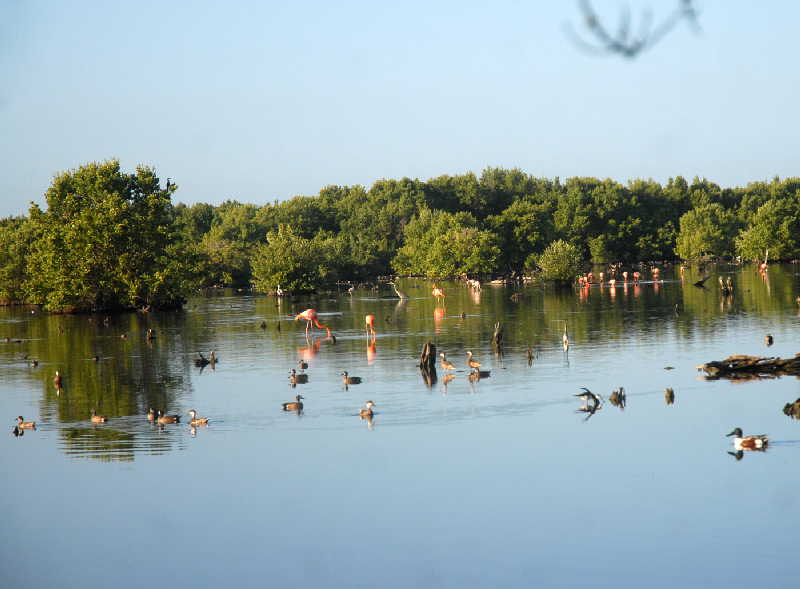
x=310, y=315
x=437, y=292
x=370, y=324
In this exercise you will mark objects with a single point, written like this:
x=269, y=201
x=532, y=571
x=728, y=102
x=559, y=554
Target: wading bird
x=399, y=293
x=445, y=363
x=310, y=315
x=470, y=362
x=438, y=293
x=369, y=324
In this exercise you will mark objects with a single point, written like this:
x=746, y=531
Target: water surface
x=466, y=484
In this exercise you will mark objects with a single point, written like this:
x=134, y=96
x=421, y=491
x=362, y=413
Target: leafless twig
x=625, y=42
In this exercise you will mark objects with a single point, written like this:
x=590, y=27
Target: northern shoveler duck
x=98, y=418
x=740, y=442
x=174, y=418
x=445, y=363
x=22, y=424
x=350, y=379
x=296, y=405
x=365, y=413
x=470, y=362
x=197, y=420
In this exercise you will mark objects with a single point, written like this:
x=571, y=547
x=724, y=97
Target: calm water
x=496, y=483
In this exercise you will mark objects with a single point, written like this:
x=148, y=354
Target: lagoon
x=499, y=482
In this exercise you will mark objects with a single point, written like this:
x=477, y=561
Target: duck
x=98, y=418
x=755, y=442
x=618, y=398
x=22, y=424
x=350, y=379
x=167, y=418
x=366, y=413
x=588, y=395
x=197, y=420
x=57, y=380
x=768, y=339
x=302, y=364
x=296, y=405
x=151, y=334
x=470, y=362
x=445, y=363
x=151, y=415
x=669, y=396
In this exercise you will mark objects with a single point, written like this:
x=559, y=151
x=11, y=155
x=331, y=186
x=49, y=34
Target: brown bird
x=296, y=405
x=174, y=418
x=57, y=380
x=98, y=418
x=470, y=362
x=669, y=396
x=151, y=415
x=22, y=424
x=366, y=413
x=350, y=379
x=197, y=420
x=445, y=363
x=768, y=339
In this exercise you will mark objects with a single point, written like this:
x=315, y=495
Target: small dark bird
x=350, y=379
x=702, y=283
x=296, y=405
x=669, y=396
x=174, y=418
x=302, y=364
x=17, y=432
x=34, y=363
x=530, y=356
x=768, y=340
x=263, y=325
x=618, y=398
x=151, y=334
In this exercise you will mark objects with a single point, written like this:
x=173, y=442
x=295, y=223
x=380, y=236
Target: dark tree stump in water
x=427, y=364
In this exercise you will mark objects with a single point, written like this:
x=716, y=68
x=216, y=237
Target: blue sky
x=263, y=101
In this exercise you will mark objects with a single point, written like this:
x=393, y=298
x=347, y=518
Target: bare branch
x=623, y=43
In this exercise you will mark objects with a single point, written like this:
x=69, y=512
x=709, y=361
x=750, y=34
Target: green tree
x=106, y=241
x=294, y=263
x=15, y=236
x=707, y=230
x=560, y=261
x=774, y=227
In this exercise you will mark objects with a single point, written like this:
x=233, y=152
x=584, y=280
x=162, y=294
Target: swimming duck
x=618, y=398
x=366, y=413
x=445, y=363
x=756, y=442
x=470, y=362
x=296, y=405
x=167, y=418
x=98, y=418
x=768, y=339
x=151, y=415
x=669, y=395
x=295, y=379
x=22, y=424
x=302, y=364
x=350, y=379
x=197, y=420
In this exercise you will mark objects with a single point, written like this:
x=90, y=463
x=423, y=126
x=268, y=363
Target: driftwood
x=497, y=337
x=747, y=367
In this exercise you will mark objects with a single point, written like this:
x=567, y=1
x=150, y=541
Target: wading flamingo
x=437, y=292
x=310, y=315
x=369, y=321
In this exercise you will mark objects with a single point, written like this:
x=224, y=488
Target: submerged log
x=746, y=367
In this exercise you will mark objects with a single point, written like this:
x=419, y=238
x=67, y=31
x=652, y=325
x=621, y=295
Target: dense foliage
x=106, y=241
x=113, y=240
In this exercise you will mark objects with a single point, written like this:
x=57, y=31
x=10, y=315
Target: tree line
x=114, y=240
